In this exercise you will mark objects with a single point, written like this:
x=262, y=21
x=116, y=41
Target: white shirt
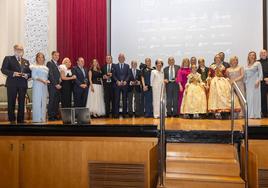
x=173, y=72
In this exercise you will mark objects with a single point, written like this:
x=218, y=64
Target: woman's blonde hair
x=185, y=60
x=233, y=58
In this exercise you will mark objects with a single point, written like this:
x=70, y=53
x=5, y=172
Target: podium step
x=202, y=165
x=173, y=180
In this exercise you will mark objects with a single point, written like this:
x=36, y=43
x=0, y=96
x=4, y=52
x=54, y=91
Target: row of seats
x=3, y=100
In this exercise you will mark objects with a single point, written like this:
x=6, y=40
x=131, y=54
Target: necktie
x=83, y=71
x=171, y=73
x=108, y=68
x=134, y=73
x=121, y=66
x=19, y=60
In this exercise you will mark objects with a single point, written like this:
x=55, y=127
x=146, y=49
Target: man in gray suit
x=172, y=88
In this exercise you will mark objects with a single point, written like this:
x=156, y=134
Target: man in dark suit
x=147, y=89
x=108, y=85
x=134, y=91
x=121, y=78
x=17, y=70
x=54, y=87
x=172, y=88
x=80, y=89
x=264, y=83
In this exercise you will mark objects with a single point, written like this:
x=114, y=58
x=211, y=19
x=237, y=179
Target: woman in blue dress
x=40, y=93
x=253, y=77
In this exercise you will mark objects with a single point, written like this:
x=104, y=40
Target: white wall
x=28, y=22
x=12, y=13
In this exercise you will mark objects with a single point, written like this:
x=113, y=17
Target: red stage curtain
x=81, y=29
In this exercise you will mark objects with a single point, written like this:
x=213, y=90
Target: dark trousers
x=12, y=93
x=53, y=103
x=264, y=92
x=148, y=102
x=109, y=98
x=118, y=91
x=172, y=90
x=137, y=103
x=80, y=96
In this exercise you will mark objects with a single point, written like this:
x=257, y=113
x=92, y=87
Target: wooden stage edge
x=172, y=123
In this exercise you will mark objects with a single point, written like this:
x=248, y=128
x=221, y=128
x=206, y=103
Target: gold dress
x=219, y=99
x=194, y=97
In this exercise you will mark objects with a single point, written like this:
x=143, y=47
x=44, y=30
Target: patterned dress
x=194, y=98
x=219, y=99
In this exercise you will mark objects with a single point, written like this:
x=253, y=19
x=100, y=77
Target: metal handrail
x=162, y=149
x=236, y=90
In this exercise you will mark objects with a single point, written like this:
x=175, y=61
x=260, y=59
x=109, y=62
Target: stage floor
x=174, y=123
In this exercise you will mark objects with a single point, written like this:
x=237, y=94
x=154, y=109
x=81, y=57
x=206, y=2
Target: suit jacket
x=53, y=74
x=80, y=77
x=104, y=72
x=121, y=75
x=166, y=72
x=11, y=65
x=136, y=78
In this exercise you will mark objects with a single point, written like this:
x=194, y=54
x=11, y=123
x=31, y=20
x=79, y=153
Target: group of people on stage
x=192, y=89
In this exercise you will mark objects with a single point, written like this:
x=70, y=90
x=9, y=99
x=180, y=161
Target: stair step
x=173, y=180
x=222, y=169
x=222, y=151
x=204, y=160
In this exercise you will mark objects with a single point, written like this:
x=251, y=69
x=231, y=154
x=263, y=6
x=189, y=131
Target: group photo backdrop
x=185, y=28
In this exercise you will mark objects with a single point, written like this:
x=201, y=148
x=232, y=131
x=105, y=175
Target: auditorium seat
x=29, y=102
x=3, y=98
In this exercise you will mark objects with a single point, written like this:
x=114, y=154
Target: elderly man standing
x=172, y=88
x=121, y=78
x=80, y=88
x=134, y=91
x=264, y=84
x=17, y=70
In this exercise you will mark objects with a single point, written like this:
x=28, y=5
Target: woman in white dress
x=40, y=92
x=95, y=99
x=157, y=79
x=253, y=77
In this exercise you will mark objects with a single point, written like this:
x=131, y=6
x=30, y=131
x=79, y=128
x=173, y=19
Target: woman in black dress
x=95, y=100
x=67, y=83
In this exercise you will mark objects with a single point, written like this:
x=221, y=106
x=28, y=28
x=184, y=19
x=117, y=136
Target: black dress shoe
x=21, y=122
x=51, y=119
x=116, y=116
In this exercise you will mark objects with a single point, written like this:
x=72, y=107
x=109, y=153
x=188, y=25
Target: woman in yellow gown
x=219, y=99
x=194, y=98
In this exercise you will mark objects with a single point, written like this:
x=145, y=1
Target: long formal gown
x=67, y=88
x=40, y=93
x=219, y=99
x=182, y=78
x=95, y=100
x=253, y=94
x=235, y=73
x=194, y=99
x=157, y=79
